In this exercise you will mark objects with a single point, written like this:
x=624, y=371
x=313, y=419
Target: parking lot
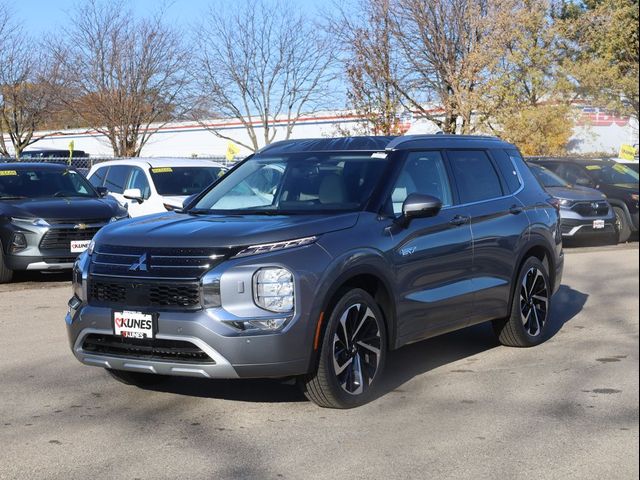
x=457, y=406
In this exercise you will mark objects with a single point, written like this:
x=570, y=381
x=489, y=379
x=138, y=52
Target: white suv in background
x=154, y=185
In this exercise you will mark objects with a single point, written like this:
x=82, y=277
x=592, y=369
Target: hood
x=73, y=208
x=576, y=193
x=217, y=231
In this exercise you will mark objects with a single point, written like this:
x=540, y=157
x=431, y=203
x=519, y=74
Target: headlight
x=635, y=197
x=271, y=247
x=273, y=289
x=565, y=203
x=32, y=222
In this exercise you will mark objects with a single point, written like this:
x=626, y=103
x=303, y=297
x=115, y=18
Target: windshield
x=546, y=177
x=296, y=183
x=184, y=180
x=38, y=183
x=612, y=174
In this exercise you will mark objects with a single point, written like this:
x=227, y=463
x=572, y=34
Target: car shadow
x=402, y=365
x=39, y=277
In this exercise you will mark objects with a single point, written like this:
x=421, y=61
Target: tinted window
x=423, y=172
x=505, y=161
x=573, y=173
x=139, y=180
x=37, y=183
x=476, y=178
x=546, y=177
x=184, y=180
x=98, y=177
x=116, y=178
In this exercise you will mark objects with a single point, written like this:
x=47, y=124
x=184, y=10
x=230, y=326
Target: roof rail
x=438, y=136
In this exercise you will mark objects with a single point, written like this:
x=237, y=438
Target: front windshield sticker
x=162, y=170
x=594, y=167
x=379, y=155
x=620, y=168
x=8, y=173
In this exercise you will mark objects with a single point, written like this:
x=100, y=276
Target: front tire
x=527, y=325
x=622, y=225
x=352, y=355
x=137, y=379
x=6, y=274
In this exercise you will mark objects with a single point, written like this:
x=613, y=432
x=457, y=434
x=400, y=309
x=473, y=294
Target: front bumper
x=576, y=228
x=234, y=355
x=43, y=262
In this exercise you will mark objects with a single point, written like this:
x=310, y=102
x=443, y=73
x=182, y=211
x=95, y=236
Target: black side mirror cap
x=417, y=205
x=102, y=191
x=187, y=201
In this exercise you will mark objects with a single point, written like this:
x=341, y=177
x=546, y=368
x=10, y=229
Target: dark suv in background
x=48, y=215
x=347, y=248
x=618, y=182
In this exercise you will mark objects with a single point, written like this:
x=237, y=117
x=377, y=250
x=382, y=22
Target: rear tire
x=6, y=274
x=622, y=225
x=137, y=379
x=352, y=354
x=527, y=325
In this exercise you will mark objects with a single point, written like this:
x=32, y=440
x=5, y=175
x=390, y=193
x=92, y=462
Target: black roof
x=380, y=143
x=33, y=165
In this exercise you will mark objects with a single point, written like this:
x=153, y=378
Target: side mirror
x=188, y=200
x=102, y=191
x=417, y=205
x=133, y=194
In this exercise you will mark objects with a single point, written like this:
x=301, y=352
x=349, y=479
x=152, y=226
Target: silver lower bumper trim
x=49, y=266
x=221, y=369
x=575, y=229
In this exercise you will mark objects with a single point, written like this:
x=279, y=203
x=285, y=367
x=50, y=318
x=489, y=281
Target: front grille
x=591, y=209
x=135, y=293
x=148, y=349
x=176, y=263
x=61, y=238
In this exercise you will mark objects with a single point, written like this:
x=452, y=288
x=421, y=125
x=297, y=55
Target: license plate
x=598, y=224
x=133, y=324
x=79, y=246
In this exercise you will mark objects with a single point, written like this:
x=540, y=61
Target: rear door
x=486, y=185
x=432, y=256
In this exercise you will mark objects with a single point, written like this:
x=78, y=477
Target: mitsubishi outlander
x=312, y=259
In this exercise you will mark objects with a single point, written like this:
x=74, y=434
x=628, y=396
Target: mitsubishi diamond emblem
x=140, y=265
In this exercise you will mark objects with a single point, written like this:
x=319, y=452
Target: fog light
x=18, y=243
x=273, y=289
x=211, y=294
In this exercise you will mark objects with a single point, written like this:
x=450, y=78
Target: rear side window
x=116, y=178
x=506, y=164
x=474, y=173
x=97, y=179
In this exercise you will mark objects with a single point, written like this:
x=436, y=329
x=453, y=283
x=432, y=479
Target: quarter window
x=474, y=173
x=98, y=177
x=425, y=173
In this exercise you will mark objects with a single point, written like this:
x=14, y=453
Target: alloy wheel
x=356, y=349
x=534, y=301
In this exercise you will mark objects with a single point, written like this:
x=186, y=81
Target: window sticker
x=162, y=170
x=594, y=167
x=8, y=173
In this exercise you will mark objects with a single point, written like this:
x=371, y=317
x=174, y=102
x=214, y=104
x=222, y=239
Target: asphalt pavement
x=457, y=406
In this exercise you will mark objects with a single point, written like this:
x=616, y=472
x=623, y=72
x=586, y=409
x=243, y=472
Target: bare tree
x=450, y=49
x=260, y=62
x=371, y=63
x=123, y=76
x=26, y=99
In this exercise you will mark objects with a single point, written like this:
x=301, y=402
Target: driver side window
x=425, y=173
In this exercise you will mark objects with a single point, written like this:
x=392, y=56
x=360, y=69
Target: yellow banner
x=627, y=152
x=232, y=151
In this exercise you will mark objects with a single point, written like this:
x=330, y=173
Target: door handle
x=515, y=209
x=459, y=220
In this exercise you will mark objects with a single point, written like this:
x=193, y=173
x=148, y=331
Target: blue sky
x=49, y=15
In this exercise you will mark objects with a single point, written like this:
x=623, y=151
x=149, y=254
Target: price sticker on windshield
x=8, y=173
x=162, y=170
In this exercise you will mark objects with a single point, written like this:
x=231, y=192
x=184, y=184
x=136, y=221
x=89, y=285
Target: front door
x=432, y=256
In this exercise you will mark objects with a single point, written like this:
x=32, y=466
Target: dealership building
x=595, y=132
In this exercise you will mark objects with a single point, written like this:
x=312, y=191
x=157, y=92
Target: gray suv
x=313, y=259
